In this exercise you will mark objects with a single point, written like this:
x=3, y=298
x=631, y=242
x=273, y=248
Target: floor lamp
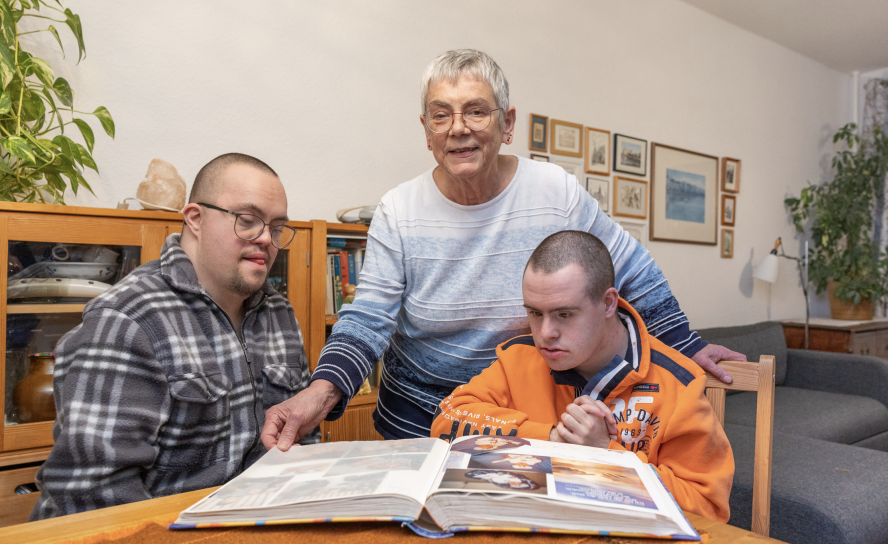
x=768, y=268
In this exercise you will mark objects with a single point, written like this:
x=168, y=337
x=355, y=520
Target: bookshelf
x=357, y=421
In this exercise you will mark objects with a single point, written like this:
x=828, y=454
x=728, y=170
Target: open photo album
x=475, y=483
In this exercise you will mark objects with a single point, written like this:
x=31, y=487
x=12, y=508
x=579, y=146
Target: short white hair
x=452, y=65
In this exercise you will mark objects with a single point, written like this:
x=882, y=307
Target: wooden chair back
x=757, y=377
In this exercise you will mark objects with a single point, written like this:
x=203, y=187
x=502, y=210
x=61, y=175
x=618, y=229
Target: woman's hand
x=292, y=419
x=711, y=354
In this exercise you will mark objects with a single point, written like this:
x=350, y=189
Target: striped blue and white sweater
x=441, y=288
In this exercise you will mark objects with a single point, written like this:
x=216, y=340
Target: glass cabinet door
x=48, y=285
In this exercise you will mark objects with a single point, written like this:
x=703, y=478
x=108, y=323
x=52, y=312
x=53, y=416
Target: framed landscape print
x=630, y=197
x=729, y=210
x=541, y=158
x=538, y=133
x=567, y=138
x=598, y=151
x=730, y=175
x=684, y=196
x=727, y=247
x=599, y=189
x=630, y=155
x=572, y=168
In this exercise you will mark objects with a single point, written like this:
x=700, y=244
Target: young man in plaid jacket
x=163, y=387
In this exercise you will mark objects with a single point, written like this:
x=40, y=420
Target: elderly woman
x=441, y=283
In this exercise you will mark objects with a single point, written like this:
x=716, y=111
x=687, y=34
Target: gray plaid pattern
x=155, y=394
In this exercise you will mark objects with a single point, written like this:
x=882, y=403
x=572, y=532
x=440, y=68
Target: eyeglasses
x=475, y=119
x=250, y=227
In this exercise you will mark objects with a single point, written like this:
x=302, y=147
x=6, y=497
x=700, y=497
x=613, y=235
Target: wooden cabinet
x=858, y=337
x=46, y=242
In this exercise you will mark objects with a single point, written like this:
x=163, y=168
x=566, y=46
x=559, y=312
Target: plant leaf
x=64, y=92
x=56, y=181
x=105, y=118
x=69, y=149
x=6, y=169
x=7, y=25
x=18, y=146
x=5, y=103
x=82, y=181
x=86, y=131
x=85, y=158
x=32, y=106
x=7, y=66
x=43, y=71
x=52, y=104
x=55, y=33
x=73, y=22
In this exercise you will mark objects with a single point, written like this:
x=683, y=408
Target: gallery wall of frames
x=655, y=191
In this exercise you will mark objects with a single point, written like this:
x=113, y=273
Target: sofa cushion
x=834, y=417
x=764, y=338
x=820, y=491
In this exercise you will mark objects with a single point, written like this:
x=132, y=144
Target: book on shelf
x=352, y=271
x=336, y=283
x=329, y=308
x=343, y=263
x=481, y=482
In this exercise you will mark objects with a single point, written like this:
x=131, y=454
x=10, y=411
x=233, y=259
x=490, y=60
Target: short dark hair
x=575, y=247
x=204, y=182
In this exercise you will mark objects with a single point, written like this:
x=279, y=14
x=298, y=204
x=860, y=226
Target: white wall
x=327, y=94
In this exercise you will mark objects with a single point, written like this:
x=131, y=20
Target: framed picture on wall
x=598, y=151
x=730, y=175
x=727, y=245
x=630, y=155
x=539, y=130
x=567, y=138
x=575, y=169
x=729, y=210
x=635, y=230
x=600, y=190
x=630, y=197
x=541, y=158
x=684, y=196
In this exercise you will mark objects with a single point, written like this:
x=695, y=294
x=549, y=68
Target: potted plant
x=845, y=259
x=38, y=160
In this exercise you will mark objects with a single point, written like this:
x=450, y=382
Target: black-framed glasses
x=475, y=118
x=249, y=227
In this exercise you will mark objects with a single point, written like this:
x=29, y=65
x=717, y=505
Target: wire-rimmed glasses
x=249, y=227
x=475, y=118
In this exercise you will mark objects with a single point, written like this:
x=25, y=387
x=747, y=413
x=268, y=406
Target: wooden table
x=125, y=523
x=840, y=336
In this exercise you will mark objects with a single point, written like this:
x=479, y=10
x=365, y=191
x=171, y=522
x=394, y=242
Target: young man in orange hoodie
x=591, y=374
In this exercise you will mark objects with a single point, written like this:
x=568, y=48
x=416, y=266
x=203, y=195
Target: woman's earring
x=430, y=147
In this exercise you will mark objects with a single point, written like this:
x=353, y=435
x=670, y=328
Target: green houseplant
x=845, y=257
x=38, y=161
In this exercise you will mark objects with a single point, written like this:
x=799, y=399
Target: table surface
x=145, y=521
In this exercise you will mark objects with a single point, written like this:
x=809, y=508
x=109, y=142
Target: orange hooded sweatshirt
x=655, y=393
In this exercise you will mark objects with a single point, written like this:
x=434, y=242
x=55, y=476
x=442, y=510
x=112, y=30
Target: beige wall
x=327, y=93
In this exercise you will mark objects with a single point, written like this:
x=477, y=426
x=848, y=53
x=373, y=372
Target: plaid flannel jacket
x=157, y=395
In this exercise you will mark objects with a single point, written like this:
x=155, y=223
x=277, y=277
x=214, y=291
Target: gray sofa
x=829, y=481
